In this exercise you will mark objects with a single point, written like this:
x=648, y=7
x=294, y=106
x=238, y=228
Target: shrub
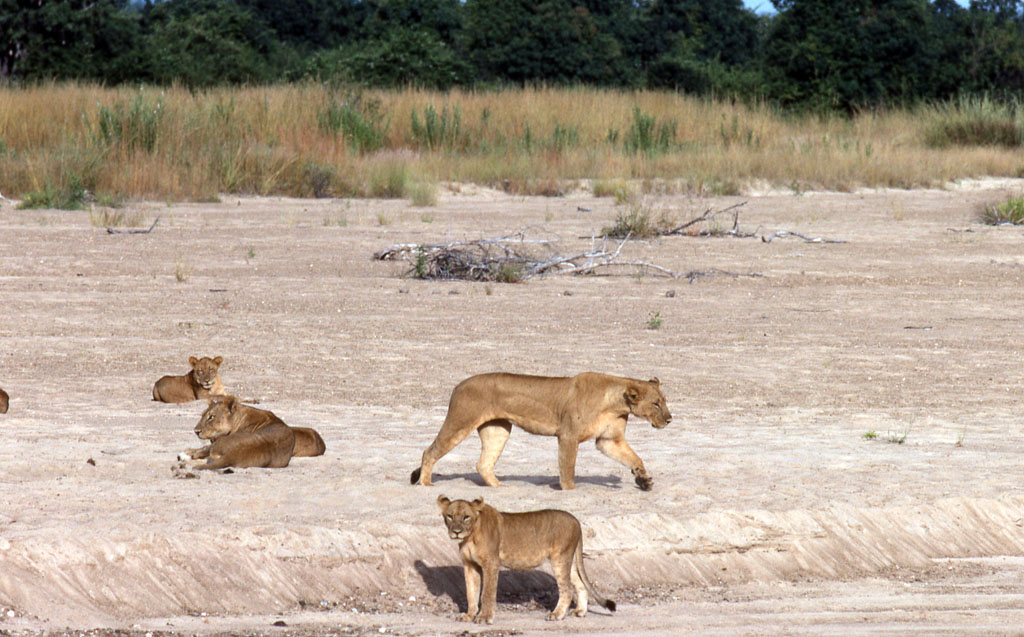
x=1009, y=212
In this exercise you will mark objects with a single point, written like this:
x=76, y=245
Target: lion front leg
x=472, y=574
x=568, y=446
x=489, y=596
x=621, y=451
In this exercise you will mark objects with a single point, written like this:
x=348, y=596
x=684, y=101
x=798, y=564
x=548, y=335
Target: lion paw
x=646, y=483
x=464, y=617
x=484, y=619
x=183, y=472
x=555, y=616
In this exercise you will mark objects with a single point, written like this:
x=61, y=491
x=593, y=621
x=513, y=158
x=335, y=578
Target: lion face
x=646, y=401
x=216, y=420
x=204, y=370
x=460, y=516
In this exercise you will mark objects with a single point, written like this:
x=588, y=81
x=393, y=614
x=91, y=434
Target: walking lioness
x=244, y=436
x=572, y=409
x=489, y=538
x=201, y=381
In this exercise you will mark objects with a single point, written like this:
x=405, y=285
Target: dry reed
x=174, y=144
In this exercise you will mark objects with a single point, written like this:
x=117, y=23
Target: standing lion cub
x=201, y=381
x=489, y=538
x=573, y=410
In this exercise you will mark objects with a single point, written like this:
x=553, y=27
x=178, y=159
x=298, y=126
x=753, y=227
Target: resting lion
x=489, y=538
x=572, y=409
x=5, y=400
x=201, y=381
x=244, y=436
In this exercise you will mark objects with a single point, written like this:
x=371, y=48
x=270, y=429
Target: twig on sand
x=133, y=230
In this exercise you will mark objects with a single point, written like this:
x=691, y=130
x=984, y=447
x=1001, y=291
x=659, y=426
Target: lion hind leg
x=453, y=431
x=493, y=436
x=562, y=565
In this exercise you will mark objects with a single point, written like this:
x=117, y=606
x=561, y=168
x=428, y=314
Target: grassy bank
x=58, y=141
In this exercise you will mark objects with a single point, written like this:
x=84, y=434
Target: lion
x=489, y=538
x=574, y=410
x=244, y=436
x=201, y=381
x=5, y=401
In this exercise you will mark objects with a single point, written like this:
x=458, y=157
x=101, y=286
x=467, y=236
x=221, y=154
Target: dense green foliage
x=817, y=54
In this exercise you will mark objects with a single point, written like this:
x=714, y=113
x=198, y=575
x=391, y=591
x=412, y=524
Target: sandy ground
x=771, y=511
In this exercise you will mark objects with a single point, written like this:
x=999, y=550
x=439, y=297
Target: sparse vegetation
x=423, y=193
x=870, y=435
x=640, y=220
x=1009, y=212
x=108, y=218
x=317, y=140
x=181, y=273
x=654, y=321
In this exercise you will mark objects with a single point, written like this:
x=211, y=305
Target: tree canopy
x=816, y=54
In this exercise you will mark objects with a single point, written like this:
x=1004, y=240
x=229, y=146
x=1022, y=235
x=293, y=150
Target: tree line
x=817, y=54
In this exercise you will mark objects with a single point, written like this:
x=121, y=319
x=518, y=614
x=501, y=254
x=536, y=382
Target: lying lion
x=201, y=381
x=5, y=401
x=572, y=409
x=244, y=436
x=489, y=538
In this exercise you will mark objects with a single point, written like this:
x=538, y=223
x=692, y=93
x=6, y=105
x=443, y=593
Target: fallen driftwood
x=688, y=229
x=133, y=230
x=512, y=258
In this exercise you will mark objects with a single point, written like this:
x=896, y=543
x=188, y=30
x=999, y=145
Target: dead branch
x=709, y=215
x=693, y=275
x=509, y=259
x=133, y=230
x=786, y=233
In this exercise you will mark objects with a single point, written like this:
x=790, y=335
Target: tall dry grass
x=314, y=140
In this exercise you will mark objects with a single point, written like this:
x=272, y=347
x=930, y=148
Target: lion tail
x=578, y=565
x=415, y=477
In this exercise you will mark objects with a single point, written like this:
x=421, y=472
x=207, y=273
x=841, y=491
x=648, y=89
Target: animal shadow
x=610, y=481
x=514, y=587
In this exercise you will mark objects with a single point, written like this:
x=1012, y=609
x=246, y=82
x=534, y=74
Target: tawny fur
x=573, y=409
x=489, y=539
x=244, y=436
x=202, y=381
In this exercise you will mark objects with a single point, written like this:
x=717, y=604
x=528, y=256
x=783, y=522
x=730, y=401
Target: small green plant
x=646, y=136
x=898, y=438
x=181, y=273
x=341, y=221
x=420, y=269
x=507, y=273
x=423, y=194
x=870, y=435
x=383, y=219
x=1009, y=212
x=438, y=131
x=488, y=290
x=70, y=196
x=361, y=122
x=654, y=321
x=639, y=221
x=135, y=126
x=251, y=253
x=426, y=217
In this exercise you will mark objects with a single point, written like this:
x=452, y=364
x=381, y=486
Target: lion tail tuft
x=415, y=477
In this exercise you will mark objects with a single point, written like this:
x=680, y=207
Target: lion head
x=460, y=516
x=646, y=401
x=216, y=421
x=204, y=370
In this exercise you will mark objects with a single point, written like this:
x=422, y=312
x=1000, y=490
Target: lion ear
x=478, y=504
x=632, y=396
x=193, y=361
x=217, y=361
x=231, y=403
x=443, y=503
x=655, y=381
